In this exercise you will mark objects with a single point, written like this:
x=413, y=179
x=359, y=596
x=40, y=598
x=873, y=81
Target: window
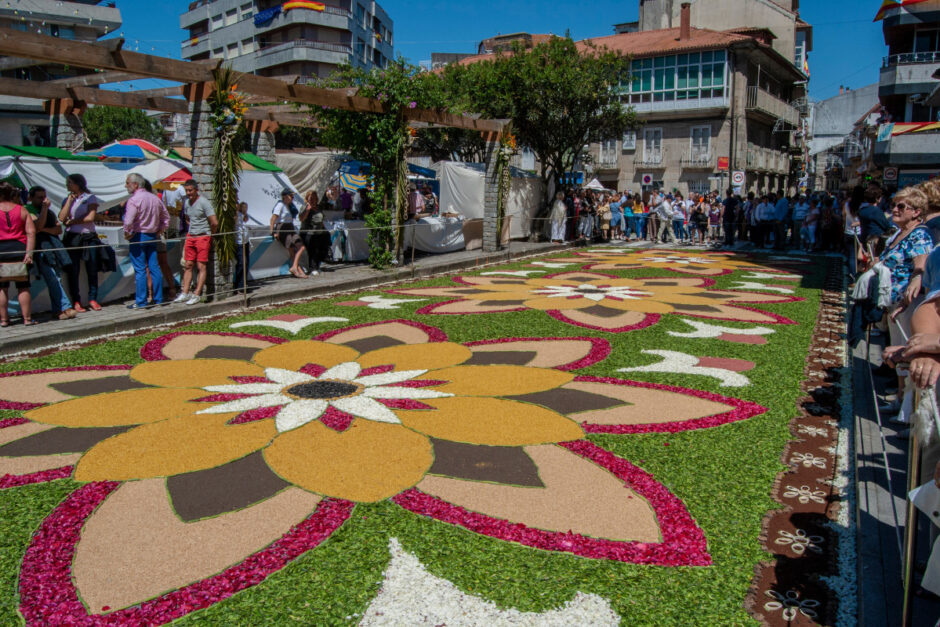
x=679, y=77
x=217, y=21
x=653, y=145
x=218, y=53
x=248, y=46
x=926, y=40
x=800, y=50
x=701, y=140
x=246, y=10
x=608, y=153
x=231, y=51
x=231, y=17
x=527, y=159
x=700, y=186
x=361, y=15
x=629, y=140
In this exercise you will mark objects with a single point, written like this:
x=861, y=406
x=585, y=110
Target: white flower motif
x=522, y=273
x=814, y=431
x=597, y=293
x=293, y=326
x=303, y=398
x=808, y=460
x=799, y=542
x=681, y=261
x=381, y=302
x=550, y=264
x=805, y=494
x=790, y=603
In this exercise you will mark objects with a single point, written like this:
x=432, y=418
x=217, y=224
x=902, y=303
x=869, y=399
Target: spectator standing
x=664, y=214
x=415, y=203
x=781, y=218
x=728, y=216
x=282, y=227
x=714, y=221
x=202, y=224
x=145, y=219
x=558, y=217
x=242, y=246
x=50, y=258
x=800, y=209
x=872, y=221
x=81, y=238
x=17, y=242
x=618, y=218
x=316, y=237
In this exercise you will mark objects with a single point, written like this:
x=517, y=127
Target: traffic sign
x=891, y=173
x=647, y=179
x=723, y=163
x=737, y=178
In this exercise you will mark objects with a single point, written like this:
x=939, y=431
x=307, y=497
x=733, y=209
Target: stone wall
x=67, y=132
x=490, y=199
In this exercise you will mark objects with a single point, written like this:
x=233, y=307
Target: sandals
x=29, y=323
x=4, y=323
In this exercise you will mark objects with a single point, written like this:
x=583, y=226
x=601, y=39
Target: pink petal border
x=43, y=476
x=742, y=410
x=48, y=595
x=600, y=349
x=434, y=334
x=19, y=373
x=683, y=542
x=153, y=350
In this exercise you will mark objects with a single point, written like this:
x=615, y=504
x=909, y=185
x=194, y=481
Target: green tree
x=559, y=95
x=381, y=139
x=104, y=125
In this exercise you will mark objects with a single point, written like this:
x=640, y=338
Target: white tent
x=462, y=191
x=310, y=170
x=595, y=185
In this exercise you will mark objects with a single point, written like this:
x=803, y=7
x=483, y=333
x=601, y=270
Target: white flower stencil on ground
x=799, y=542
x=790, y=603
x=805, y=494
x=597, y=293
x=676, y=362
x=410, y=595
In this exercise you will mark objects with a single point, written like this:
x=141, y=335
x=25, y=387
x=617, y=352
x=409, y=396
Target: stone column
x=66, y=122
x=491, y=236
x=262, y=139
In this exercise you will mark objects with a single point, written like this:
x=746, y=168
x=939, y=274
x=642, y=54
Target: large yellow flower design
x=325, y=417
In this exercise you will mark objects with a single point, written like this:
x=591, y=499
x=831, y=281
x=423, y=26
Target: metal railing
x=908, y=58
x=760, y=100
x=696, y=160
x=302, y=43
x=650, y=158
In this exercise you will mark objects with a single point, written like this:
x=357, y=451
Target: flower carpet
x=589, y=438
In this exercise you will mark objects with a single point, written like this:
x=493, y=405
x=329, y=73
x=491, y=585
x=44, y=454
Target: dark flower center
x=322, y=389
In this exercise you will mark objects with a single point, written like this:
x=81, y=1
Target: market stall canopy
x=596, y=185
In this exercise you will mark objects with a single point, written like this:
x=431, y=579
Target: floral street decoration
x=225, y=456
x=226, y=112
x=700, y=263
x=600, y=302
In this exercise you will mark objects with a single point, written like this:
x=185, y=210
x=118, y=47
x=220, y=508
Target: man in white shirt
x=800, y=209
x=664, y=213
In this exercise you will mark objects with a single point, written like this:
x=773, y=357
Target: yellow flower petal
x=193, y=373
x=368, y=462
x=417, y=356
x=296, y=355
x=115, y=409
x=173, y=447
x=491, y=421
x=497, y=380
x=550, y=304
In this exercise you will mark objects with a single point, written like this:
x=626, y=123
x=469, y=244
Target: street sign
x=737, y=178
x=723, y=164
x=647, y=179
x=890, y=174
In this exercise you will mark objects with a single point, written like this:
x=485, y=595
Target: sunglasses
x=903, y=206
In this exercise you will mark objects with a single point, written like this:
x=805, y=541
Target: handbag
x=14, y=271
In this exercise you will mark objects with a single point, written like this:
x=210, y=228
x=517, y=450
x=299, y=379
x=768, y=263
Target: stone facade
x=491, y=236
x=67, y=131
x=264, y=145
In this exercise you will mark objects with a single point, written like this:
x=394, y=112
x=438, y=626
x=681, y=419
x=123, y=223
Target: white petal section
x=344, y=372
x=397, y=392
x=595, y=297
x=244, y=404
x=389, y=377
x=286, y=377
x=299, y=413
x=364, y=407
x=246, y=388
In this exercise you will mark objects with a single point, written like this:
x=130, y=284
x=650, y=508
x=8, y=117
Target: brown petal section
x=501, y=357
x=578, y=496
x=190, y=346
x=508, y=465
x=58, y=441
x=475, y=307
x=566, y=400
x=242, y=353
x=404, y=333
x=368, y=462
x=91, y=387
x=27, y=465
x=134, y=547
x=643, y=405
x=224, y=489
x=544, y=353
x=36, y=388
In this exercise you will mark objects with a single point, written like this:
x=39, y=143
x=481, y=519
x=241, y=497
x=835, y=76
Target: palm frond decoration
x=227, y=112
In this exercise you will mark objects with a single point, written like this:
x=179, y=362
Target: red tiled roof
x=664, y=41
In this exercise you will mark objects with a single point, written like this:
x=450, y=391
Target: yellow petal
x=549, y=304
x=173, y=447
x=368, y=462
x=491, y=421
x=418, y=356
x=296, y=355
x=193, y=373
x=115, y=409
x=498, y=380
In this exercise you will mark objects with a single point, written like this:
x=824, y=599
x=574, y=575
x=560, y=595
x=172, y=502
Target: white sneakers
x=189, y=299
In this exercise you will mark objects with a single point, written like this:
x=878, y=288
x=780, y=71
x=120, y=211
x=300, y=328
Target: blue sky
x=847, y=49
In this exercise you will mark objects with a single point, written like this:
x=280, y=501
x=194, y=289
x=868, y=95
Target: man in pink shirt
x=145, y=218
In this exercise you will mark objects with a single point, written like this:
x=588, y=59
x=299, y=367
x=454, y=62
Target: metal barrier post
x=910, y=531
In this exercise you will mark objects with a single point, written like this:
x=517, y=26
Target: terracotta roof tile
x=663, y=41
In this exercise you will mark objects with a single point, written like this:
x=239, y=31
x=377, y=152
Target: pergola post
x=491, y=235
x=263, y=143
x=66, y=122
x=202, y=138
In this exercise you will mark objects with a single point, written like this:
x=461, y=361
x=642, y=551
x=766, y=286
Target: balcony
x=765, y=103
x=909, y=58
x=909, y=149
x=697, y=161
x=763, y=159
x=679, y=106
x=905, y=74
x=607, y=161
x=301, y=43
x=649, y=159
x=291, y=51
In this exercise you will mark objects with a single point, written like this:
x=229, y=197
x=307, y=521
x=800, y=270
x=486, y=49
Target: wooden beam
x=108, y=57
x=176, y=90
x=90, y=95
x=90, y=80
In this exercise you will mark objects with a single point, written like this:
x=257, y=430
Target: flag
x=806, y=65
x=304, y=4
x=886, y=6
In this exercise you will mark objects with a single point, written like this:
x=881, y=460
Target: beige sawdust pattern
x=38, y=463
x=134, y=547
x=12, y=434
x=403, y=332
x=647, y=406
x=34, y=388
x=578, y=496
x=188, y=346
x=548, y=354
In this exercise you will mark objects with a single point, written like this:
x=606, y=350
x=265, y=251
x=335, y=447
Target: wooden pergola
x=67, y=98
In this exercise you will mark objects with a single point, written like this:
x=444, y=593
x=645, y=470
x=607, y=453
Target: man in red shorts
x=202, y=223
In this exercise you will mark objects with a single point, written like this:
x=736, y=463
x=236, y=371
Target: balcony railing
x=265, y=49
x=767, y=159
x=908, y=58
x=650, y=158
x=607, y=162
x=760, y=100
x=696, y=160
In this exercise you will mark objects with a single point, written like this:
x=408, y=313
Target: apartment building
x=23, y=120
x=715, y=91
x=269, y=38
x=908, y=147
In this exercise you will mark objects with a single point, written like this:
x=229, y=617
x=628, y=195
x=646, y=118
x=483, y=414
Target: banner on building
x=304, y=4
